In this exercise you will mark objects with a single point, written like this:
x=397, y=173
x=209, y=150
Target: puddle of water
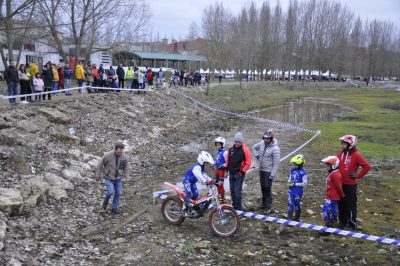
x=304, y=111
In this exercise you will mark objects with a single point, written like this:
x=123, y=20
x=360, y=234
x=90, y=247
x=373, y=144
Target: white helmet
x=205, y=157
x=333, y=161
x=220, y=140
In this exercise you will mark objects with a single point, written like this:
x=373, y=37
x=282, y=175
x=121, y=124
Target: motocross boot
x=290, y=215
x=297, y=216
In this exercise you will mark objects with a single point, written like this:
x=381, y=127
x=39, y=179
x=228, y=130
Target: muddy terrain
x=57, y=219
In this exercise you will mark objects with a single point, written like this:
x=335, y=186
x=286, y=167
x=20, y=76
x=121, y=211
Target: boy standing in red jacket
x=334, y=191
x=350, y=161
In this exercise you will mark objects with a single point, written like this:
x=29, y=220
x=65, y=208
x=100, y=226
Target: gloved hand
x=353, y=175
x=242, y=173
x=271, y=177
x=211, y=182
x=292, y=184
x=258, y=157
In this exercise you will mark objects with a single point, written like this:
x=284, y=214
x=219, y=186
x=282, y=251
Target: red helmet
x=349, y=139
x=333, y=161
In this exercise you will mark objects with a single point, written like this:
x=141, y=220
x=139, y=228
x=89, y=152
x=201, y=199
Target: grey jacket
x=113, y=168
x=269, y=156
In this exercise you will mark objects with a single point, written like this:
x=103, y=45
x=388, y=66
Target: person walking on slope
x=268, y=153
x=296, y=183
x=350, y=161
x=114, y=166
x=238, y=163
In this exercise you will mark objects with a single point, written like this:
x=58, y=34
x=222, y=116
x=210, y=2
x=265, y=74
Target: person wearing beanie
x=238, y=163
x=268, y=154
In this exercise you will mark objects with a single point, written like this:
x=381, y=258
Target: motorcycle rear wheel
x=171, y=210
x=224, y=222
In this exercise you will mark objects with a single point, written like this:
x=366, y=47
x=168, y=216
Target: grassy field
x=376, y=122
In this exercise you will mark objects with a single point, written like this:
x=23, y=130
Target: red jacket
x=350, y=162
x=246, y=163
x=334, y=190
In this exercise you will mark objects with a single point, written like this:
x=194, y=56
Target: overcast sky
x=172, y=18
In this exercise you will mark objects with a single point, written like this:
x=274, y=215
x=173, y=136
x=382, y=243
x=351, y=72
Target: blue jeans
x=67, y=85
x=113, y=187
x=12, y=91
x=235, y=185
x=80, y=84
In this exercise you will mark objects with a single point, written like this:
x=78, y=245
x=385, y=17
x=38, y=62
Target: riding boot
x=297, y=216
x=290, y=215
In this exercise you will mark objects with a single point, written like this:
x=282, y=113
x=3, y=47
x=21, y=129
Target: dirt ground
x=154, y=126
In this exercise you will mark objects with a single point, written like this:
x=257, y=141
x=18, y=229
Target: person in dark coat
x=11, y=77
x=47, y=79
x=121, y=76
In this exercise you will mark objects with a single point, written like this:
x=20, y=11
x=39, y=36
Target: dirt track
x=154, y=126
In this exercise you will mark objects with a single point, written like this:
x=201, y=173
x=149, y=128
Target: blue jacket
x=189, y=175
x=220, y=158
x=298, y=176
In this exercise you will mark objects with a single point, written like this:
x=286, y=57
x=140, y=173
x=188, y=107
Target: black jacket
x=11, y=74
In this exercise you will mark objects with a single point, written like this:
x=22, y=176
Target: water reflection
x=304, y=111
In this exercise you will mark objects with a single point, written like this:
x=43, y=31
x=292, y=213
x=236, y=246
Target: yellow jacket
x=33, y=68
x=55, y=74
x=79, y=72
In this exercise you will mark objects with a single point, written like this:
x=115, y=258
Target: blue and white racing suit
x=299, y=177
x=196, y=172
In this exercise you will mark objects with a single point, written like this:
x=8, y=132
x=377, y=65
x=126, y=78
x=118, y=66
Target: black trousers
x=48, y=94
x=348, y=206
x=266, y=189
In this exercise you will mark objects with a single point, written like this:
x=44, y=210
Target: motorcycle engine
x=193, y=213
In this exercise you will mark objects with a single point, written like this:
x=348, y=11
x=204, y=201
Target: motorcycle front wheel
x=224, y=222
x=171, y=210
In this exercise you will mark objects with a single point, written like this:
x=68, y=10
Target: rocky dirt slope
x=50, y=201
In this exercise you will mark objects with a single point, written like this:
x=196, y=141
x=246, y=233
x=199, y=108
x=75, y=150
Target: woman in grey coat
x=268, y=154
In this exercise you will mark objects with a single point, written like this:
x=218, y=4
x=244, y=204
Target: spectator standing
x=350, y=162
x=11, y=77
x=89, y=78
x=267, y=152
x=161, y=79
x=121, y=76
x=129, y=77
x=56, y=78
x=24, y=82
x=48, y=80
x=238, y=162
x=67, y=79
x=38, y=86
x=61, y=80
x=79, y=75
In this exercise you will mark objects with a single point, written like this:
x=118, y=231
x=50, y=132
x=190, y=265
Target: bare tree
x=92, y=25
x=12, y=12
x=215, y=21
